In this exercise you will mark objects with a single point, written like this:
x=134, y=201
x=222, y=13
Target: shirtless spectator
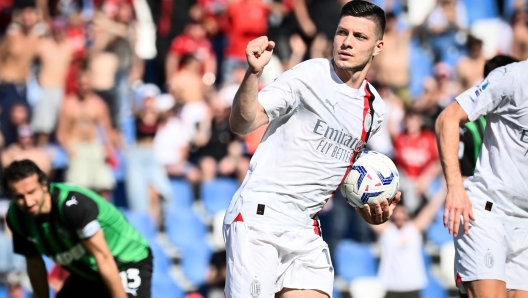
x=17, y=52
x=392, y=66
x=193, y=41
x=103, y=64
x=55, y=53
x=190, y=93
x=85, y=132
x=25, y=148
x=520, y=34
x=469, y=68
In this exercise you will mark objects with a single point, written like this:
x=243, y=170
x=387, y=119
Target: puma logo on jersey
x=72, y=201
x=332, y=105
x=31, y=239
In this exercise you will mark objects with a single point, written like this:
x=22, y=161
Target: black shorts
x=136, y=277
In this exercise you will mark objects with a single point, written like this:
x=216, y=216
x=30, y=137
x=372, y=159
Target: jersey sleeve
x=485, y=98
x=279, y=98
x=81, y=212
x=22, y=245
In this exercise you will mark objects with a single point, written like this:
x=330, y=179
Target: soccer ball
x=372, y=178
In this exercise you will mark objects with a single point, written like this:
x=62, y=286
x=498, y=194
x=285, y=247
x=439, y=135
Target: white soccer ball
x=372, y=178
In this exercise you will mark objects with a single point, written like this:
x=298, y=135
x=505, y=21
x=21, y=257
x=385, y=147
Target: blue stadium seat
x=184, y=228
x=481, y=9
x=434, y=288
x=142, y=222
x=183, y=194
x=217, y=194
x=3, y=292
x=426, y=259
x=195, y=261
x=436, y=233
x=354, y=260
x=161, y=260
x=164, y=286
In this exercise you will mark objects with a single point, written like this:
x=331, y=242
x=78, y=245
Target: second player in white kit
x=492, y=254
x=320, y=114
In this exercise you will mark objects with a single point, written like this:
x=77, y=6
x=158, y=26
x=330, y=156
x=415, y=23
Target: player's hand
x=379, y=213
x=457, y=203
x=258, y=53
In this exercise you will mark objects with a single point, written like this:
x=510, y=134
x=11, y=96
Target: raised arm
x=247, y=114
x=457, y=200
x=426, y=216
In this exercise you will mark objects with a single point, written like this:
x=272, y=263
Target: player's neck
x=46, y=207
x=353, y=78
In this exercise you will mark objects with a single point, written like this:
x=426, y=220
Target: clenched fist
x=258, y=53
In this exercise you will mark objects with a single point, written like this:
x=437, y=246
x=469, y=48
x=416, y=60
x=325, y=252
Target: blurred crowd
x=131, y=98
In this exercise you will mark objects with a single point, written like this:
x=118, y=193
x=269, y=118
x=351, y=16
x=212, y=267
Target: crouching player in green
x=80, y=231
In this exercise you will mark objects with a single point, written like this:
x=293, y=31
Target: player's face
x=355, y=43
x=29, y=195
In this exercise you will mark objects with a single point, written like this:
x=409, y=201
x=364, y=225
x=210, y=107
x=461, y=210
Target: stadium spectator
x=417, y=160
x=85, y=131
x=520, y=34
x=104, y=65
x=469, y=69
x=392, y=66
x=445, y=21
x=55, y=53
x=146, y=180
x=17, y=51
x=12, y=266
x=172, y=145
x=25, y=148
x=192, y=42
x=216, y=275
x=191, y=92
x=247, y=21
x=402, y=269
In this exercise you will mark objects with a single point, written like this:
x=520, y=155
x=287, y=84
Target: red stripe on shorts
x=239, y=218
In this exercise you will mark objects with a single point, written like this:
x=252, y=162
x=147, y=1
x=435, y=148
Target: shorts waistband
x=254, y=212
x=500, y=215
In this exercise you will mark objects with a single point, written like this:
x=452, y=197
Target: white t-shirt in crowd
x=501, y=174
x=317, y=126
x=170, y=139
x=402, y=267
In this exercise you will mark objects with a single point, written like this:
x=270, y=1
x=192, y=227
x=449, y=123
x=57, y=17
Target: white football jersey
x=501, y=174
x=318, y=125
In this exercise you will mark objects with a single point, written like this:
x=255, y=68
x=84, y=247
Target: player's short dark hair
x=19, y=170
x=364, y=9
x=496, y=62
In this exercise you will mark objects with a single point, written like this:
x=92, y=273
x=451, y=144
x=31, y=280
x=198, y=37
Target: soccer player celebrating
x=488, y=213
x=80, y=231
x=320, y=114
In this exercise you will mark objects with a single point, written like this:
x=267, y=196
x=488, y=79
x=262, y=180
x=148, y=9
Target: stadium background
x=185, y=59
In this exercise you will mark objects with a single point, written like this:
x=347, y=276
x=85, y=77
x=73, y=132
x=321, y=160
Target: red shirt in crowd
x=200, y=48
x=248, y=19
x=415, y=154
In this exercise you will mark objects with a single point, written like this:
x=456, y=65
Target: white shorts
x=261, y=262
x=496, y=247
